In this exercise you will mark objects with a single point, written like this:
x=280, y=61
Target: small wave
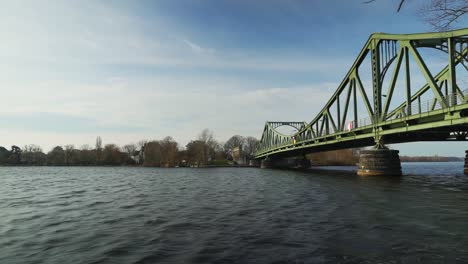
x=128, y=206
x=294, y=219
x=96, y=203
x=156, y=222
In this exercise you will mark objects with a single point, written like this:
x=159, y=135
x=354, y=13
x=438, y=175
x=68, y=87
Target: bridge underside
x=427, y=135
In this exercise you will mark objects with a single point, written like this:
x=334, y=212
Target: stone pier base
x=374, y=162
x=265, y=164
x=303, y=163
x=465, y=169
x=253, y=163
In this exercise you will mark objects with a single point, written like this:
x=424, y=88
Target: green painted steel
x=443, y=117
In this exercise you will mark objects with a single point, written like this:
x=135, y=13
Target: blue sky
x=131, y=70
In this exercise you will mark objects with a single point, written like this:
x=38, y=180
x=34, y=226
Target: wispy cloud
x=106, y=36
x=197, y=48
x=73, y=69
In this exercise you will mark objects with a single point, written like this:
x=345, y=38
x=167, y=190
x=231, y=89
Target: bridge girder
x=341, y=116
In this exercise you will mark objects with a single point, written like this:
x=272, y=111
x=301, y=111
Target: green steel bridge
x=379, y=111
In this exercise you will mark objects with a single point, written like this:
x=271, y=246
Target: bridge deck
x=435, y=125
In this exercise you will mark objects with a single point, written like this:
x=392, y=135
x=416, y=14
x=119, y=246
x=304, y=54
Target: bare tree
x=141, y=143
x=399, y=5
x=169, y=152
x=85, y=147
x=111, y=155
x=207, y=137
x=87, y=156
x=33, y=155
x=130, y=149
x=56, y=157
x=141, y=150
x=196, y=153
x=32, y=148
x=15, y=157
x=233, y=142
x=220, y=154
x=440, y=14
x=4, y=154
x=98, y=150
x=69, y=154
x=152, y=154
x=250, y=145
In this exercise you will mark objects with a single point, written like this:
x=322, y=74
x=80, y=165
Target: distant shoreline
x=214, y=166
x=430, y=159
x=130, y=166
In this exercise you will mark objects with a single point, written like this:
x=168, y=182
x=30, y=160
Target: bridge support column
x=303, y=163
x=381, y=161
x=465, y=169
x=266, y=164
x=253, y=163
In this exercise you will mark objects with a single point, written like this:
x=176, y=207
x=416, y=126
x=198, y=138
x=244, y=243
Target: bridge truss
x=360, y=114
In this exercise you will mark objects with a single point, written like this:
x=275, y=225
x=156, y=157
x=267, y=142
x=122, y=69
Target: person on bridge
x=350, y=126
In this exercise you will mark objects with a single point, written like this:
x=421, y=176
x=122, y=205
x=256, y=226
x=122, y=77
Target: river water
x=233, y=215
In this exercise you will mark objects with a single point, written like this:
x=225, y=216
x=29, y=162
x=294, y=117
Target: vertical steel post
x=452, y=71
x=419, y=103
x=408, y=82
x=327, y=125
x=445, y=84
x=377, y=89
x=338, y=113
x=376, y=84
x=317, y=129
x=355, y=103
x=345, y=110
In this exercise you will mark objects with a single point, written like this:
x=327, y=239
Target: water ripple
x=143, y=215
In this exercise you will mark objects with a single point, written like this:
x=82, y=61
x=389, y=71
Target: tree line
x=205, y=150
x=434, y=158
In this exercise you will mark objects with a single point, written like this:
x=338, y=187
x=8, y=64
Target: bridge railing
x=421, y=107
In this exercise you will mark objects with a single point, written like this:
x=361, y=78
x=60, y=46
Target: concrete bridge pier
x=253, y=163
x=303, y=163
x=465, y=169
x=379, y=162
x=266, y=163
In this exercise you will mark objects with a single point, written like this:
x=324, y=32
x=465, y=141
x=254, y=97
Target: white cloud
x=60, y=59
